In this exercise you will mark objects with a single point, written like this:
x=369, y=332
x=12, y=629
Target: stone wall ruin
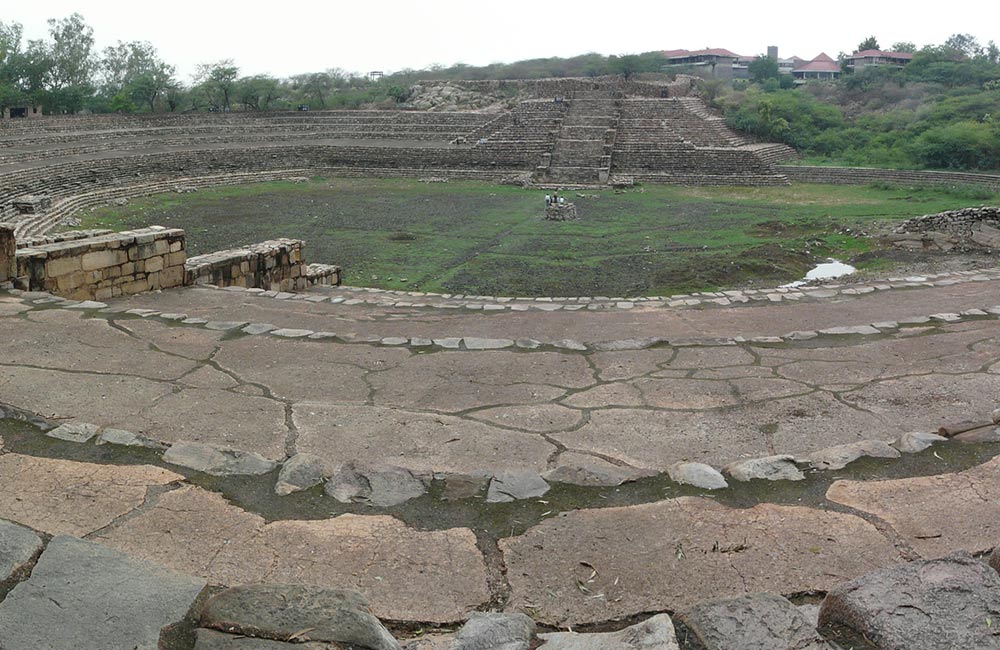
x=965, y=229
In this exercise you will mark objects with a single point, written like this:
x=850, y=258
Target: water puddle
x=827, y=270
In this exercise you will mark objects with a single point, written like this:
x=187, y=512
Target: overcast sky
x=291, y=36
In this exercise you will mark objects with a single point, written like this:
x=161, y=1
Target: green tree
x=763, y=67
x=904, y=46
x=870, y=43
x=217, y=82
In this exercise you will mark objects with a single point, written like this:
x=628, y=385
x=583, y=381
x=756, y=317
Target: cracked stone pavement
x=462, y=411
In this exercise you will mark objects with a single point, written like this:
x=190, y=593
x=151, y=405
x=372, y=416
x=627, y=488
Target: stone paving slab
x=407, y=575
x=84, y=595
x=602, y=564
x=416, y=441
x=934, y=514
x=18, y=546
x=61, y=497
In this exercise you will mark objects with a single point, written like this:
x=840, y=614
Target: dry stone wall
x=965, y=229
x=106, y=266
x=276, y=265
x=865, y=175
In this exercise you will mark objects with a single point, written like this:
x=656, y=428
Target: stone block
x=175, y=246
x=176, y=258
x=55, y=267
x=154, y=264
x=102, y=259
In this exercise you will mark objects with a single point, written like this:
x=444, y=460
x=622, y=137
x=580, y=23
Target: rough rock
x=771, y=468
x=17, y=546
x=84, y=595
x=912, y=442
x=939, y=604
x=593, y=472
x=216, y=460
x=842, y=455
x=995, y=416
x=74, y=431
x=514, y=485
x=306, y=613
x=301, y=472
x=463, y=486
x=383, y=487
x=759, y=621
x=127, y=439
x=698, y=475
x=655, y=633
x=494, y=631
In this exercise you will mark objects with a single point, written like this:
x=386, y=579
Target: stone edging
x=420, y=299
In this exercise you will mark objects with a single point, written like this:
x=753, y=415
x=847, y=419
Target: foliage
x=763, y=67
x=870, y=43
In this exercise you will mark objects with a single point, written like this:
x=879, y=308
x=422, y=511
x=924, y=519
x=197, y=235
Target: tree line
x=66, y=73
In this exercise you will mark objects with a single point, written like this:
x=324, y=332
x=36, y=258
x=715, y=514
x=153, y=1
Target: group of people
x=554, y=199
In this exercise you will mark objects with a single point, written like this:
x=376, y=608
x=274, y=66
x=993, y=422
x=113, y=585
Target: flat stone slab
x=759, y=621
x=655, y=633
x=66, y=497
x=216, y=460
x=84, y=595
x=382, y=487
x=675, y=553
x=912, y=442
x=934, y=514
x=407, y=575
x=926, y=605
x=18, y=546
x=297, y=611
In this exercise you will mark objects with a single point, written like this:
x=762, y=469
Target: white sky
x=291, y=36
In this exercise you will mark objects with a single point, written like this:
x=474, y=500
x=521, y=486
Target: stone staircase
x=582, y=151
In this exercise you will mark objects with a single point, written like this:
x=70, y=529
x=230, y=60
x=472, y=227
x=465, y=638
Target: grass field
x=469, y=237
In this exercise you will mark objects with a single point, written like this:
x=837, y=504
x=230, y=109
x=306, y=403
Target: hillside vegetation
x=941, y=111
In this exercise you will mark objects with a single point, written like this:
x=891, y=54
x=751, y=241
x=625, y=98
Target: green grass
x=469, y=237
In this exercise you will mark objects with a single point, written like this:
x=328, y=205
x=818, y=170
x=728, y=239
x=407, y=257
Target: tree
x=134, y=70
x=763, y=67
x=904, y=46
x=870, y=43
x=216, y=81
x=626, y=65
x=965, y=45
x=71, y=53
x=257, y=92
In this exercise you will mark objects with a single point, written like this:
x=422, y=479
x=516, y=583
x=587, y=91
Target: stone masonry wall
x=106, y=266
x=8, y=265
x=865, y=175
x=277, y=265
x=965, y=229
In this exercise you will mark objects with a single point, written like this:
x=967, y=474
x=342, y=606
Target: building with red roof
x=861, y=60
x=820, y=68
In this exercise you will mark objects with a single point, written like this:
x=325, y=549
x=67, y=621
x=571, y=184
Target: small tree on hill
x=870, y=43
x=763, y=67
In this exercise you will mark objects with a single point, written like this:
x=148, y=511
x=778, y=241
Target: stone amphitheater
x=234, y=451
